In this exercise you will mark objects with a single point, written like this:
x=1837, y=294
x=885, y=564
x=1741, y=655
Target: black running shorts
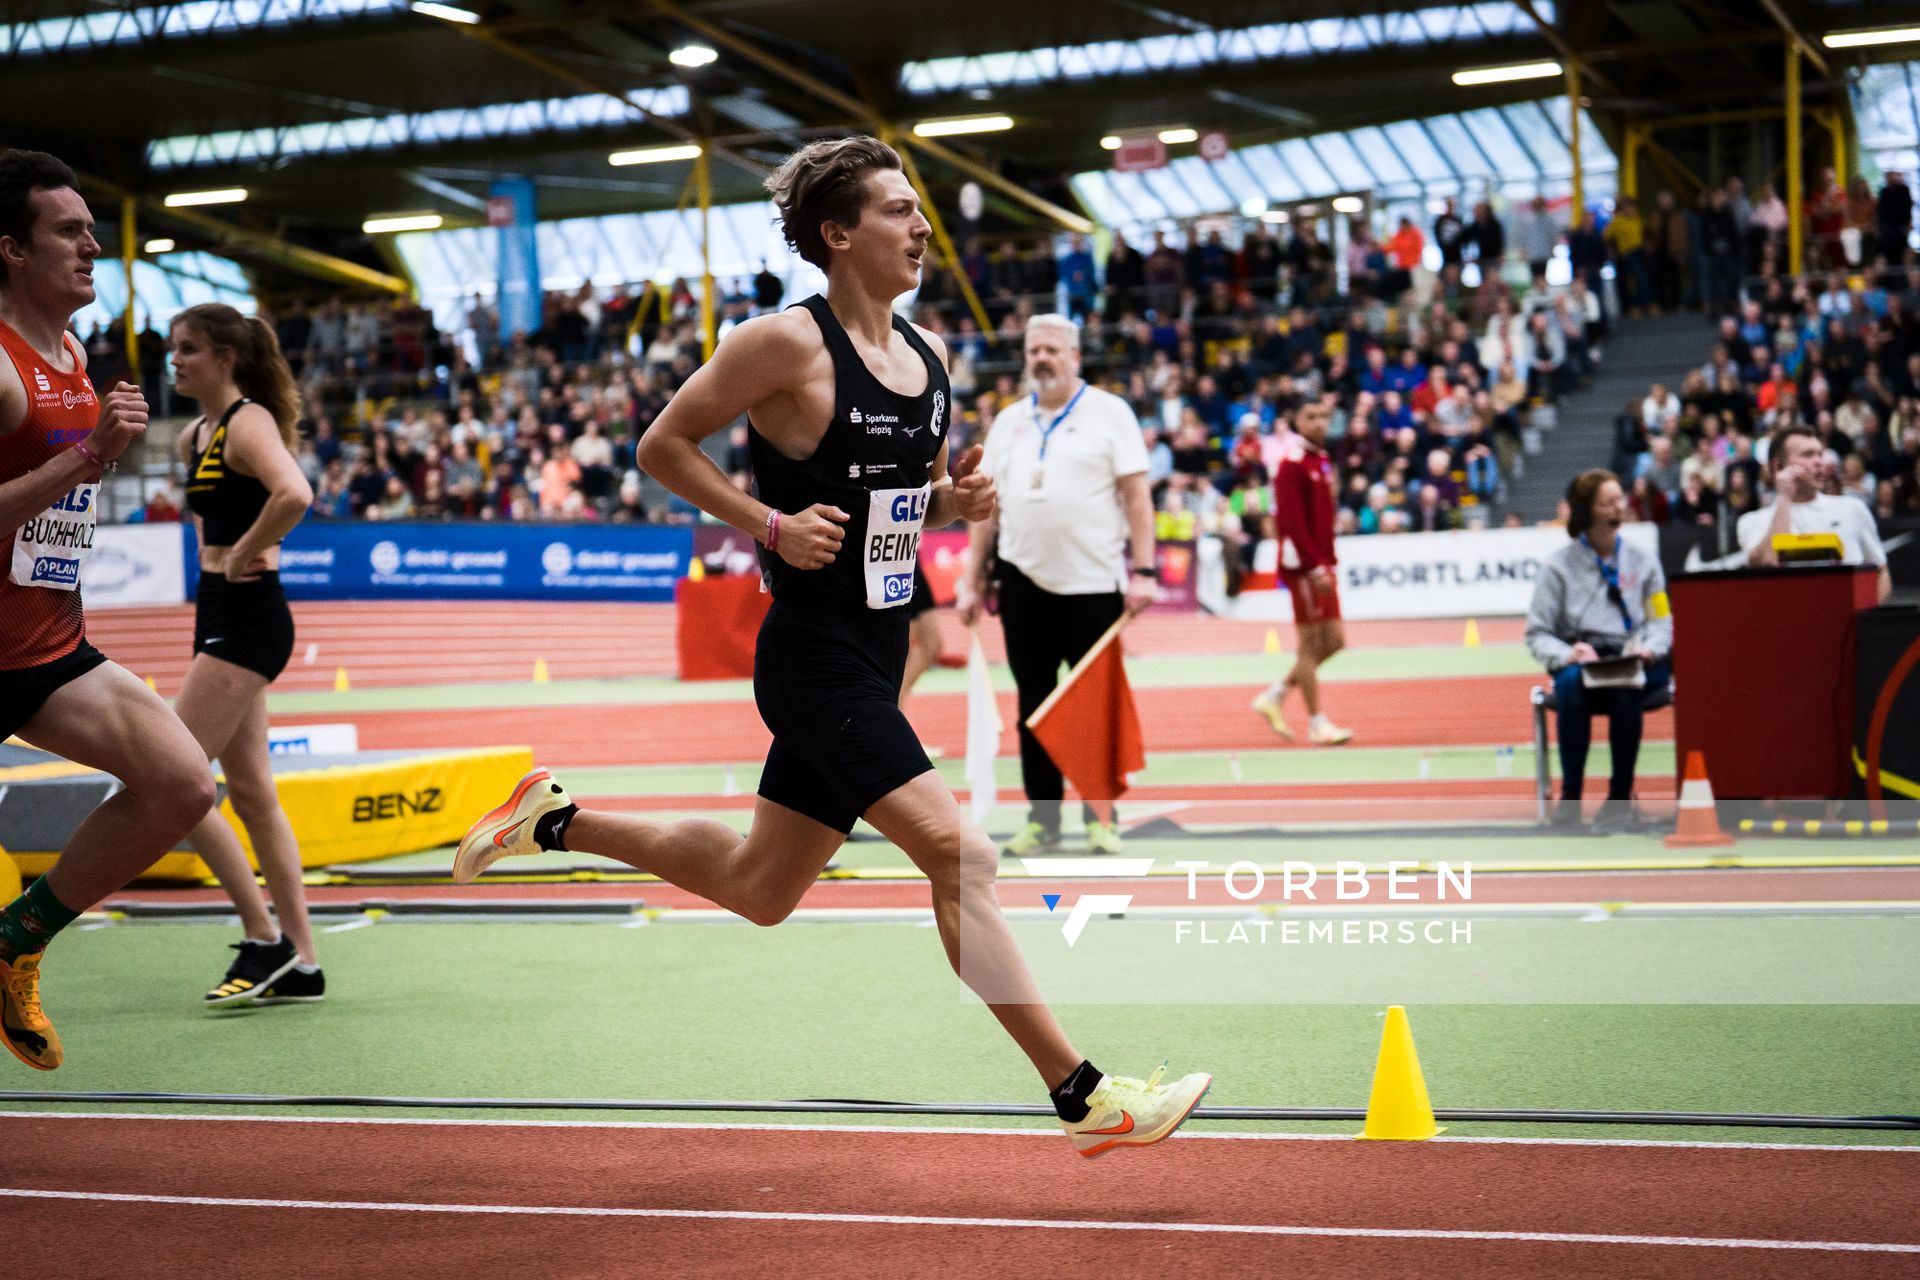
x=245, y=623
x=25, y=690
x=827, y=682
x=922, y=600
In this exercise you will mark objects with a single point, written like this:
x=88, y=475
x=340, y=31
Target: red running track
x=1482, y=710
x=464, y=642
x=742, y=1201
x=1731, y=885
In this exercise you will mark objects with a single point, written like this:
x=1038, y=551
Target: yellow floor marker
x=540, y=671
x=340, y=682
x=1398, y=1108
x=1273, y=643
x=151, y=685
x=1472, y=639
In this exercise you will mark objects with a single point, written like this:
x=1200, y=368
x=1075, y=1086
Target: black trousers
x=1043, y=631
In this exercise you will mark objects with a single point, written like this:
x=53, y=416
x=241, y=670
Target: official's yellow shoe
x=1103, y=838
x=1032, y=838
x=30, y=1037
x=1124, y=1112
x=1271, y=709
x=508, y=830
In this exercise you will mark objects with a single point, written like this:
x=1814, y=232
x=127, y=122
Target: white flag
x=983, y=732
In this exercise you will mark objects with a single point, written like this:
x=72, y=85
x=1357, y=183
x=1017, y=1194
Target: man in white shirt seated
x=1795, y=464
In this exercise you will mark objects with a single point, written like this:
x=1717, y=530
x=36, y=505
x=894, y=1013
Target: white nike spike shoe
x=1124, y=1112
x=508, y=830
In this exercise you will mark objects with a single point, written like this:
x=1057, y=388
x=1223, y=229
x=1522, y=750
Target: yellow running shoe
x=1124, y=1112
x=1104, y=838
x=1325, y=733
x=508, y=830
x=1271, y=709
x=30, y=1037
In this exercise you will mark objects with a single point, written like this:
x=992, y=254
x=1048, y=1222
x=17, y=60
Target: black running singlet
x=226, y=501
x=873, y=463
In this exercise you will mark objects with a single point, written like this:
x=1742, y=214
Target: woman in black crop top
x=246, y=493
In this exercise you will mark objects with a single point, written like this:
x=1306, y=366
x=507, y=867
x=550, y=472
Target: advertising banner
x=392, y=560
x=135, y=564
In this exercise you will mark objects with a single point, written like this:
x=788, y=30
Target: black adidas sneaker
x=295, y=987
x=253, y=971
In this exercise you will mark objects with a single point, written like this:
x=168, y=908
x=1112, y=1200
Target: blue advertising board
x=395, y=560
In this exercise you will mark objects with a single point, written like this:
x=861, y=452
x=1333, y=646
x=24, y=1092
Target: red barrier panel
x=716, y=620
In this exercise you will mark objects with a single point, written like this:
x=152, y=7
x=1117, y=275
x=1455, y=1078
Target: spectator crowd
x=1432, y=348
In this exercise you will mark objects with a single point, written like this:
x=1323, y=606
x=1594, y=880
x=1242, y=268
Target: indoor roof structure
x=329, y=112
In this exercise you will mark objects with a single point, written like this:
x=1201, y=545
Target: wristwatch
x=1143, y=572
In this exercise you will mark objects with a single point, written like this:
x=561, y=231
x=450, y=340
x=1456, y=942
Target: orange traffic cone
x=1699, y=825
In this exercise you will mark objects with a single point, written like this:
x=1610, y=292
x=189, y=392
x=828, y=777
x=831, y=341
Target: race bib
x=49, y=549
x=894, y=517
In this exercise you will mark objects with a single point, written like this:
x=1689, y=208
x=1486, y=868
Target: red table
x=1763, y=664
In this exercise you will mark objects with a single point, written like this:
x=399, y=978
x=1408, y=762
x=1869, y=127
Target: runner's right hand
x=123, y=419
x=810, y=539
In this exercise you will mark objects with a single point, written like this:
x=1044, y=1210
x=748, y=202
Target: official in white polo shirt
x=1795, y=458
x=1075, y=547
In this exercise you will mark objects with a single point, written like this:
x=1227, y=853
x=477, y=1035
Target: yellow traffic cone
x=540, y=671
x=696, y=570
x=151, y=685
x=340, y=682
x=1472, y=639
x=1273, y=643
x=1398, y=1108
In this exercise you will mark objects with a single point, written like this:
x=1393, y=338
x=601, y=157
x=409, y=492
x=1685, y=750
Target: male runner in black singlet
x=849, y=408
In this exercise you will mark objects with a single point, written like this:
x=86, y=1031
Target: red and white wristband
x=773, y=530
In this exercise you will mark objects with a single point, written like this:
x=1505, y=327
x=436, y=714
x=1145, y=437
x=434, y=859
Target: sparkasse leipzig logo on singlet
x=45, y=397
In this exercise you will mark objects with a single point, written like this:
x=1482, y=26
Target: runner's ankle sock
x=1320, y=721
x=306, y=968
x=550, y=829
x=30, y=920
x=1070, y=1095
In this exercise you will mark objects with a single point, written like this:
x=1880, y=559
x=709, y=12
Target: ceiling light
x=162, y=245
x=656, y=155
x=1253, y=206
x=962, y=124
x=445, y=12
x=1856, y=39
x=1174, y=136
x=384, y=222
x=1500, y=75
x=1110, y=143
x=188, y=199
x=692, y=55
x=1276, y=216
x=1348, y=204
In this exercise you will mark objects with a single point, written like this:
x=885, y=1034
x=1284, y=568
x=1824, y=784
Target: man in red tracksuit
x=1303, y=503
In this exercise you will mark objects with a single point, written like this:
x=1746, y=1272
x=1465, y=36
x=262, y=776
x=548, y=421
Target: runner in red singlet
x=58, y=692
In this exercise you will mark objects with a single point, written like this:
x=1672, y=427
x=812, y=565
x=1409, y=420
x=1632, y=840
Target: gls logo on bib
x=894, y=519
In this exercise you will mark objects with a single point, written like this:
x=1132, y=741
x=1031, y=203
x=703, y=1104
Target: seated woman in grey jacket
x=1599, y=598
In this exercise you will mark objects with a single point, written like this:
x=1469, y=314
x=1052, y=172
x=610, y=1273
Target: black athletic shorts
x=245, y=623
x=827, y=682
x=24, y=690
x=922, y=599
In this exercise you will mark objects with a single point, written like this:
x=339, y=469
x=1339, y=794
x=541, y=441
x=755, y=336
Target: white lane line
x=1239, y=1135
x=921, y=1220
x=348, y=926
